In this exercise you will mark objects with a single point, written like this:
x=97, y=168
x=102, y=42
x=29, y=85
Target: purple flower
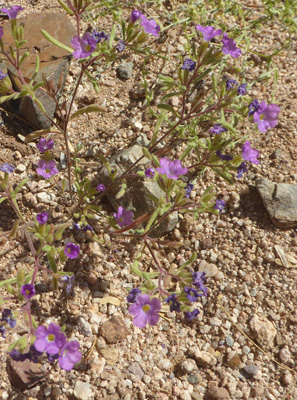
x=223, y=157
x=43, y=145
x=72, y=250
x=192, y=314
x=100, y=188
x=217, y=129
x=192, y=294
x=172, y=169
x=241, y=169
x=253, y=107
x=131, y=298
x=123, y=217
x=249, y=154
x=231, y=84
x=6, y=168
x=52, y=357
x=76, y=226
x=68, y=282
x=2, y=76
x=135, y=15
x=149, y=173
x=150, y=26
x=2, y=331
x=145, y=310
x=229, y=47
x=208, y=32
x=84, y=46
x=199, y=279
x=87, y=228
x=241, y=90
x=266, y=116
x=120, y=46
x=1, y=32
x=189, y=64
x=189, y=189
x=220, y=204
x=12, y=12
x=174, y=304
x=49, y=339
x=42, y=218
x=98, y=36
x=7, y=317
x=69, y=355
x=28, y=290
x=47, y=168
x=32, y=355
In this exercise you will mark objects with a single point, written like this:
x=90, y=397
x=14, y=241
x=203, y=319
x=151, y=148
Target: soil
x=176, y=359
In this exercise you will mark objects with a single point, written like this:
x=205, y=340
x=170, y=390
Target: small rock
x=215, y=321
x=20, y=168
x=218, y=393
x=114, y=330
x=193, y=379
x=209, y=269
x=45, y=197
x=264, y=331
x=251, y=370
x=135, y=369
x=285, y=355
x=82, y=390
x=23, y=374
x=84, y=327
x=111, y=355
x=287, y=378
x=125, y=70
x=203, y=358
x=229, y=341
x=188, y=366
x=233, y=359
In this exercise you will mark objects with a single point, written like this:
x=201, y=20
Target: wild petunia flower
x=220, y=204
x=12, y=12
x=44, y=145
x=150, y=26
x=189, y=64
x=229, y=47
x=42, y=218
x=5, y=167
x=7, y=317
x=100, y=188
x=87, y=227
x=189, y=189
x=47, y=169
x=192, y=314
x=192, y=294
x=241, y=90
x=68, y=282
x=49, y=339
x=172, y=169
x=217, y=129
x=145, y=310
x=266, y=116
x=123, y=217
x=28, y=290
x=131, y=298
x=71, y=250
x=223, y=157
x=149, y=173
x=32, y=355
x=174, y=304
x=135, y=15
x=249, y=154
x=98, y=36
x=2, y=76
x=69, y=355
x=253, y=107
x=120, y=46
x=199, y=279
x=208, y=32
x=231, y=84
x=241, y=170
x=84, y=46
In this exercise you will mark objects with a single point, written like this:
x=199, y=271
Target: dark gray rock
x=54, y=62
x=125, y=70
x=251, y=370
x=280, y=201
x=136, y=197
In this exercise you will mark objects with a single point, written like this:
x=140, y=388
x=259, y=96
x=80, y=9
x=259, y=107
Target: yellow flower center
x=146, y=308
x=27, y=292
x=47, y=170
x=51, y=338
x=88, y=47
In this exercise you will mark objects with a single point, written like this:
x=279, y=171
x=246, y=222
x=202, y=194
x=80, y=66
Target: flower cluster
x=6, y=319
x=46, y=167
x=54, y=342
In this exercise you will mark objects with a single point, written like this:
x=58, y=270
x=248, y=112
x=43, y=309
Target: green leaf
x=47, y=248
x=37, y=134
x=168, y=107
x=122, y=190
x=20, y=185
x=55, y=41
x=52, y=262
x=88, y=109
x=22, y=342
x=14, y=228
x=3, y=99
x=225, y=175
x=67, y=9
x=112, y=35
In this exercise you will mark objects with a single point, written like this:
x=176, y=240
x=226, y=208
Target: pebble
x=82, y=390
x=233, y=359
x=215, y=321
x=252, y=370
x=264, y=331
x=285, y=355
x=188, y=366
x=287, y=378
x=135, y=369
x=45, y=197
x=203, y=358
x=209, y=269
x=20, y=168
x=84, y=327
x=218, y=393
x=229, y=341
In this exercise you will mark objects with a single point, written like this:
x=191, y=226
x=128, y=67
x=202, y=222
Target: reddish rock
x=54, y=62
x=114, y=330
x=218, y=393
x=23, y=374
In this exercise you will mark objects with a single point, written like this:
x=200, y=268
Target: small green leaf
x=168, y=107
x=88, y=109
x=55, y=41
x=20, y=185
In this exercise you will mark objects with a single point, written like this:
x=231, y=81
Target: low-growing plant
x=209, y=122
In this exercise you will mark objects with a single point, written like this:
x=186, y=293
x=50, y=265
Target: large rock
x=280, y=201
x=136, y=197
x=54, y=62
x=264, y=331
x=23, y=374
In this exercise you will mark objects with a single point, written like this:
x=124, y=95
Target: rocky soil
x=243, y=345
